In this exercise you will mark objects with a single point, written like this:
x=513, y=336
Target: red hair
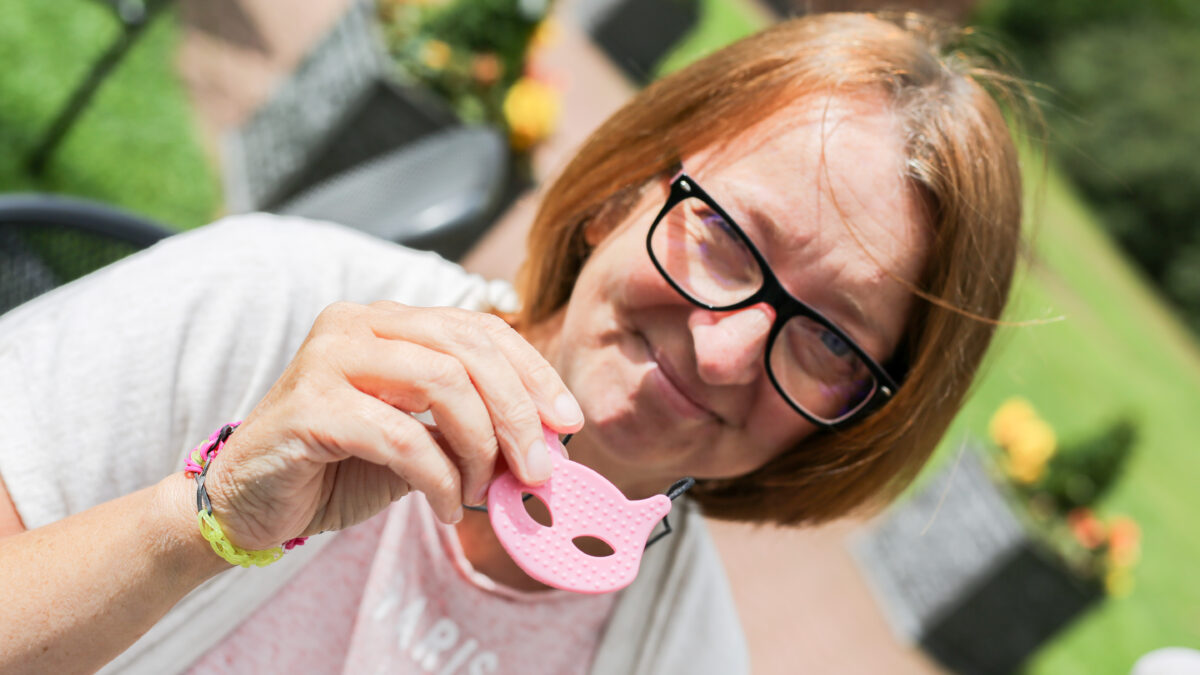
x=960, y=157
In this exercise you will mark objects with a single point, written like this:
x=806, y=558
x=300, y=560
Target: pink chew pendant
x=582, y=503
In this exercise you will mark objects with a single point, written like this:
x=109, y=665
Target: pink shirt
x=396, y=595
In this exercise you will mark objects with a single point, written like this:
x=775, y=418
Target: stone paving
x=802, y=600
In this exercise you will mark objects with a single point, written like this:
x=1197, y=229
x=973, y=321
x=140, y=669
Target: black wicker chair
x=47, y=241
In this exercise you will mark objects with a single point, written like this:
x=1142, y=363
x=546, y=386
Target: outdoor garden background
x=1105, y=318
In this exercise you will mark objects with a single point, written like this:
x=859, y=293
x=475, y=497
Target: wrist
x=182, y=544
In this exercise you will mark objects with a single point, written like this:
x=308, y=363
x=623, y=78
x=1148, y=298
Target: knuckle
x=519, y=415
x=471, y=335
x=395, y=428
x=336, y=313
x=494, y=324
x=387, y=305
x=446, y=484
x=321, y=355
x=400, y=430
x=543, y=373
x=482, y=450
x=322, y=343
x=445, y=372
x=402, y=441
x=488, y=448
x=306, y=393
x=463, y=327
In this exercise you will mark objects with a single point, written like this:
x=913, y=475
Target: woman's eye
x=710, y=217
x=835, y=344
x=718, y=225
x=821, y=353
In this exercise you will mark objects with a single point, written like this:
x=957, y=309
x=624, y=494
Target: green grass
x=1117, y=350
x=135, y=146
x=720, y=22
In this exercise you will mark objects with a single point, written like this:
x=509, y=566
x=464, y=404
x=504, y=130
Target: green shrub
x=468, y=51
x=1135, y=148
x=1125, y=77
x=1081, y=473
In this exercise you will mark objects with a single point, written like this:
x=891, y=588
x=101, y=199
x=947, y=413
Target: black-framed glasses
x=815, y=365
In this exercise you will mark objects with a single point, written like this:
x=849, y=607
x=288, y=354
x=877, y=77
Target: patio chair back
x=47, y=241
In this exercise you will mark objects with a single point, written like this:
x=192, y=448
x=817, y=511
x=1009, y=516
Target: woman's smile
x=669, y=386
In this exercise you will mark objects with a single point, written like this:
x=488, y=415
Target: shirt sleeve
x=106, y=382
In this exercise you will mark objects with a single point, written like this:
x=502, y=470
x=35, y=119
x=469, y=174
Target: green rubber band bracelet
x=211, y=530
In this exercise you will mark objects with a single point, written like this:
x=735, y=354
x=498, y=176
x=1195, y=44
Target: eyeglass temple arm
x=677, y=488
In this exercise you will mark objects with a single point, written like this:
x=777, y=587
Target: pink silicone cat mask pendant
x=582, y=503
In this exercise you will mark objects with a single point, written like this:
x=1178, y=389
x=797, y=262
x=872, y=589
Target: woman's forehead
x=835, y=166
x=814, y=120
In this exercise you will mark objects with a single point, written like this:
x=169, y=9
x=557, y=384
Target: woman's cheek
x=776, y=426
x=643, y=286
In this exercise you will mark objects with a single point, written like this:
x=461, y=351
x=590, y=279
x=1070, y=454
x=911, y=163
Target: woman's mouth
x=668, y=386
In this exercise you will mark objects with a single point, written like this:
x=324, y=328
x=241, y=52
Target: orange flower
x=1124, y=541
x=486, y=68
x=1087, y=528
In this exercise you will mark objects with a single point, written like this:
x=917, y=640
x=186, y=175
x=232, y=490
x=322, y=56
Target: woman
x=776, y=271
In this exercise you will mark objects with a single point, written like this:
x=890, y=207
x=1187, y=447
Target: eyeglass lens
x=813, y=367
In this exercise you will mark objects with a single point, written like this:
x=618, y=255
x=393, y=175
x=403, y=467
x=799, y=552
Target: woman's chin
x=630, y=452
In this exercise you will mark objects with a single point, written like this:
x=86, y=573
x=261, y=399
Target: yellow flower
x=1027, y=472
x=1009, y=416
x=1028, y=441
x=435, y=54
x=531, y=109
x=1031, y=446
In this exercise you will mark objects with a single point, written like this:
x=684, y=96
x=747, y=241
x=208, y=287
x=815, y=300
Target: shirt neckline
x=451, y=547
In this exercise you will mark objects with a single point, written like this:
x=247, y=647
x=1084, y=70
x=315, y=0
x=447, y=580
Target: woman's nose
x=729, y=345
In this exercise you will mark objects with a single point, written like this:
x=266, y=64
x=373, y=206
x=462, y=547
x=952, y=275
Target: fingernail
x=567, y=409
x=481, y=494
x=457, y=516
x=537, y=462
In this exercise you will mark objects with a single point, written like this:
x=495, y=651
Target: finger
x=414, y=378
x=368, y=428
x=499, y=467
x=557, y=407
x=361, y=490
x=556, y=404
x=513, y=413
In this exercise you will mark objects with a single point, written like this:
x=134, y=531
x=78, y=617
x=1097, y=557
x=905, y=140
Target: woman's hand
x=333, y=442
